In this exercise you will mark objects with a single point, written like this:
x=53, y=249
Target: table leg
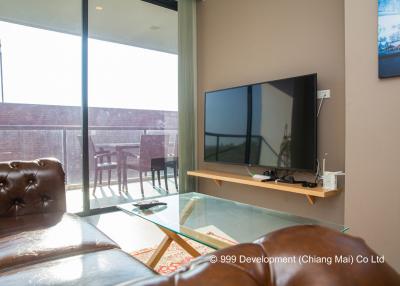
x=119, y=163
x=158, y=178
x=122, y=180
x=153, y=178
x=187, y=211
x=166, y=179
x=161, y=249
x=170, y=236
x=182, y=243
x=125, y=178
x=175, y=177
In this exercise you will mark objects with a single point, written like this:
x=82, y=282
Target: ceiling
x=131, y=22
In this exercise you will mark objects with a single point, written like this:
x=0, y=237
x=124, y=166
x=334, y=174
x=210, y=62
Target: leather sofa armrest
x=324, y=256
x=31, y=187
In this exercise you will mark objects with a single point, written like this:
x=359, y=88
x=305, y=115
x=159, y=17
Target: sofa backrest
x=31, y=187
x=292, y=256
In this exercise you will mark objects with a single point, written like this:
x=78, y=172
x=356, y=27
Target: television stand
x=219, y=177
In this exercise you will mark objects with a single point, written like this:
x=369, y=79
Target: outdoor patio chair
x=151, y=147
x=101, y=160
x=172, y=161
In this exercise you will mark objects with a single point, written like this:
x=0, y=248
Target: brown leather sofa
x=42, y=245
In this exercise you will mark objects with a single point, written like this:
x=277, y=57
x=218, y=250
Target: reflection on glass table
x=215, y=222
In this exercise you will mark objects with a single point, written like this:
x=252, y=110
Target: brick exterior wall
x=30, y=131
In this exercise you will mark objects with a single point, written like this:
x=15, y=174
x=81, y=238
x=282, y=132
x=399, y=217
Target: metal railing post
x=64, y=150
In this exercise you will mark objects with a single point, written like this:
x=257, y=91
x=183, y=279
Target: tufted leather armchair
x=32, y=187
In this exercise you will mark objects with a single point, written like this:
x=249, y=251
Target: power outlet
x=324, y=94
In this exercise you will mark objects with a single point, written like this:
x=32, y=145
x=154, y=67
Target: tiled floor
x=110, y=196
x=130, y=232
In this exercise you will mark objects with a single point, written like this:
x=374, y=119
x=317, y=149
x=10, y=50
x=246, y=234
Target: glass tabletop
x=218, y=222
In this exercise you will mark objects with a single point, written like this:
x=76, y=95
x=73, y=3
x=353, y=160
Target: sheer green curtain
x=187, y=93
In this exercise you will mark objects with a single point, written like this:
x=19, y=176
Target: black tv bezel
x=314, y=168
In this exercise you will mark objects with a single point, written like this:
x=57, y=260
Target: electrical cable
x=320, y=105
x=249, y=172
x=317, y=173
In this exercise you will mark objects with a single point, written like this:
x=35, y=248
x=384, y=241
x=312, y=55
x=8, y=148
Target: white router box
x=330, y=180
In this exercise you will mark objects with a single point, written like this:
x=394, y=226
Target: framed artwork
x=389, y=38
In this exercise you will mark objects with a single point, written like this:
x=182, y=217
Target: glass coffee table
x=214, y=222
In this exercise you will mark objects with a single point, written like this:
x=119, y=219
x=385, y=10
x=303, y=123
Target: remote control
x=144, y=205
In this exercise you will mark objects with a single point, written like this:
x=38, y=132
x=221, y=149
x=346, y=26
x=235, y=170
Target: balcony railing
x=26, y=142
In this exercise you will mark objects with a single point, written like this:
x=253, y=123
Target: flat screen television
x=271, y=124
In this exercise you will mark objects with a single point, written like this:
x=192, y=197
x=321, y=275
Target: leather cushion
x=108, y=267
x=64, y=235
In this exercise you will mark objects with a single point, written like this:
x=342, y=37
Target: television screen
x=271, y=124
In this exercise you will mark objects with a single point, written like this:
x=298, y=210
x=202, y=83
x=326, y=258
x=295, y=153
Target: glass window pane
x=133, y=101
x=41, y=68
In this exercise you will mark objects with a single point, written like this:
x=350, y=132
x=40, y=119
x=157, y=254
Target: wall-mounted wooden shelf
x=220, y=177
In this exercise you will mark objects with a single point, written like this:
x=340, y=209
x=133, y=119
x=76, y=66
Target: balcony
x=33, y=131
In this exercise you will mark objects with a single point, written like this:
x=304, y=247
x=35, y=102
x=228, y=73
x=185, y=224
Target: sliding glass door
x=40, y=110
x=93, y=84
x=133, y=101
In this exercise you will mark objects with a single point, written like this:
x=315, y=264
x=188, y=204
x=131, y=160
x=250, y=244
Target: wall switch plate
x=324, y=94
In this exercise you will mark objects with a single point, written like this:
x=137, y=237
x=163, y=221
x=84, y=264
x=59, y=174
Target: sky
x=44, y=67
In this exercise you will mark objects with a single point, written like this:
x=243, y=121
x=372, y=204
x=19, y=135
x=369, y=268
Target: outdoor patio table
x=119, y=150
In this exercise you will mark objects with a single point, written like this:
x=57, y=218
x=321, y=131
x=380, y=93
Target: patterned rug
x=176, y=256
x=173, y=258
